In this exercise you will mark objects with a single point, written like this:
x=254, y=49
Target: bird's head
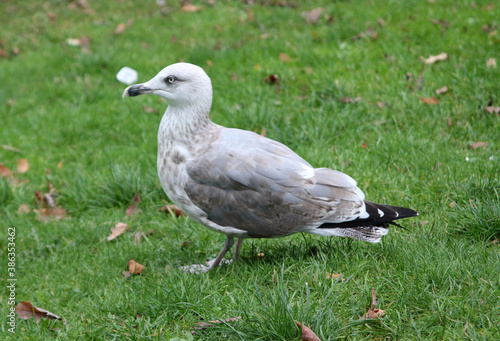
x=181, y=84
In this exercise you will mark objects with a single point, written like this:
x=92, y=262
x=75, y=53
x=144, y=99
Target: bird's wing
x=261, y=186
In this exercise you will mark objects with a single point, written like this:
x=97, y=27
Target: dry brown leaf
x=442, y=90
x=120, y=28
x=432, y=59
x=381, y=105
x=23, y=208
x=284, y=57
x=4, y=171
x=272, y=79
x=492, y=110
x=171, y=209
x=370, y=33
x=364, y=145
x=25, y=310
x=250, y=15
x=348, y=99
x=134, y=208
x=46, y=199
x=50, y=213
x=491, y=63
x=12, y=149
x=117, y=231
x=335, y=276
x=135, y=268
x=313, y=16
x=204, y=325
x=373, y=313
x=22, y=166
x=191, y=8
x=150, y=110
x=429, y=100
x=127, y=274
x=85, y=42
x=477, y=145
x=306, y=333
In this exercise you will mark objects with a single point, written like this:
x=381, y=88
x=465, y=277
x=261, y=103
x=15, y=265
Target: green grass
x=62, y=109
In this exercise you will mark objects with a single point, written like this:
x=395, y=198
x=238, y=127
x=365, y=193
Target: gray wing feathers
x=261, y=186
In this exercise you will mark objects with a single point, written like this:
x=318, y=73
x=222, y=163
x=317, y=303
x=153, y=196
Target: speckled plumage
x=244, y=185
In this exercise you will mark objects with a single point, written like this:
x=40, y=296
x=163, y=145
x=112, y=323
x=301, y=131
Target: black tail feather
x=379, y=214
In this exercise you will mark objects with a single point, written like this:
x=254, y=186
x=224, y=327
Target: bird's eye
x=170, y=80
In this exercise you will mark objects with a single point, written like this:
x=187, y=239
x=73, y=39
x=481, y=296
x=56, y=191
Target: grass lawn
x=353, y=94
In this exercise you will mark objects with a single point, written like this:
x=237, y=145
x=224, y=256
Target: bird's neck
x=184, y=125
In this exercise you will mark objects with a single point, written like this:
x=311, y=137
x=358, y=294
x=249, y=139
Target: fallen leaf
x=370, y=33
x=373, y=313
x=12, y=149
x=492, y=110
x=284, y=57
x=478, y=145
x=306, y=333
x=150, y=110
x=348, y=99
x=441, y=22
x=430, y=100
x=409, y=76
x=335, y=276
x=134, y=208
x=453, y=204
x=491, y=63
x=46, y=199
x=127, y=274
x=171, y=209
x=50, y=213
x=442, y=90
x=85, y=43
x=191, y=8
x=135, y=268
x=381, y=105
x=432, y=59
x=60, y=165
x=272, y=79
x=204, y=325
x=250, y=15
x=120, y=28
x=22, y=166
x=4, y=171
x=25, y=310
x=364, y=145
x=23, y=208
x=313, y=16
x=117, y=231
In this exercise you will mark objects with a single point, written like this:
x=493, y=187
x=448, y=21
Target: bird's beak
x=136, y=90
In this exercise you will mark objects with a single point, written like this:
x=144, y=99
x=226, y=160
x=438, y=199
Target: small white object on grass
x=245, y=185
x=127, y=75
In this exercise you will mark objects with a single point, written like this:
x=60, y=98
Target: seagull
x=245, y=185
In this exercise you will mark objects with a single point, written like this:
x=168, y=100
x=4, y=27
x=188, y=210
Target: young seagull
x=245, y=185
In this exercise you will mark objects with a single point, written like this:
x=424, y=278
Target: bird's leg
x=237, y=249
x=227, y=246
x=200, y=268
